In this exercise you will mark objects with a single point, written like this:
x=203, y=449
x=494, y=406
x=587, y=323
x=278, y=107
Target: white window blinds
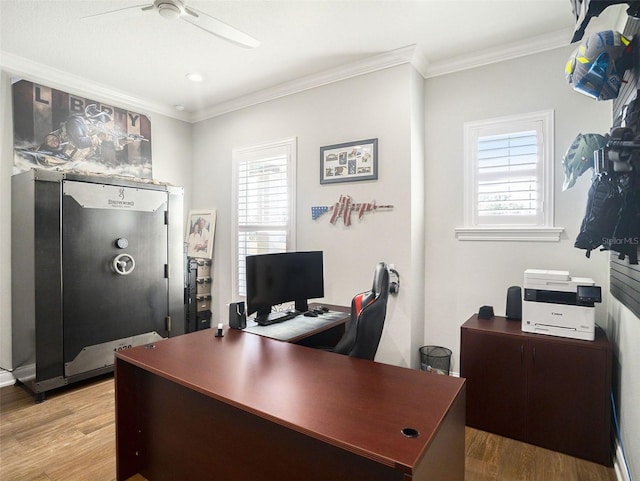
x=509, y=169
x=264, y=202
x=507, y=173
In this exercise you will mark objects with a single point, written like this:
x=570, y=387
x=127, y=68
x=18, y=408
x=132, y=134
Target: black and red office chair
x=368, y=311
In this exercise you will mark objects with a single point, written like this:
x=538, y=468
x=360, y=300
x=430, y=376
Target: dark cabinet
x=549, y=391
x=496, y=391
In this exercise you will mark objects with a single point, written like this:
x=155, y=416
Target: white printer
x=557, y=304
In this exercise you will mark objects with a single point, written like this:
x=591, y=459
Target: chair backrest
x=368, y=311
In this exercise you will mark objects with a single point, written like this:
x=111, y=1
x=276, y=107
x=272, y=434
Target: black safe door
x=114, y=253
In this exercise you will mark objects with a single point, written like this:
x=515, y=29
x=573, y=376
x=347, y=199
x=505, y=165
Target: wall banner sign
x=58, y=130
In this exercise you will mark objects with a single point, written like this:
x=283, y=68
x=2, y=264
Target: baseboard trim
x=618, y=463
x=6, y=378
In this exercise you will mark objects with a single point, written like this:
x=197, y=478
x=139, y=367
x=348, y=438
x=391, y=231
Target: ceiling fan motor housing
x=170, y=9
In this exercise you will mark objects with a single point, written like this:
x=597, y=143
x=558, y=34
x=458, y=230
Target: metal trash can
x=435, y=359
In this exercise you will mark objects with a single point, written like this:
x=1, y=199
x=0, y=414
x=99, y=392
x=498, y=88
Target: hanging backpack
x=603, y=205
x=626, y=234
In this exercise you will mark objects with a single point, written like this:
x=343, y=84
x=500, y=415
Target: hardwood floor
x=71, y=437
x=495, y=458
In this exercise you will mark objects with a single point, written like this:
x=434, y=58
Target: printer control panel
x=588, y=295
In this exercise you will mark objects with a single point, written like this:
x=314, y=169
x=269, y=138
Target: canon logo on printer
x=556, y=313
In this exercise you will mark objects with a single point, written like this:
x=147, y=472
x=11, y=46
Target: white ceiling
x=143, y=59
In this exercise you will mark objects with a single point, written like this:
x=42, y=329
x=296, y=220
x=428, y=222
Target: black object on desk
x=485, y=312
x=514, y=303
x=275, y=317
x=237, y=315
x=219, y=332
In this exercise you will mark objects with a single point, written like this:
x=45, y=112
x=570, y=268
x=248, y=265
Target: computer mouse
x=311, y=314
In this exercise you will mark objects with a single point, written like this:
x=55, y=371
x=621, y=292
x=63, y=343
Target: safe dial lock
x=123, y=264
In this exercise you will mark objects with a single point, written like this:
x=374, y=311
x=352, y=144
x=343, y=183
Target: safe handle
x=123, y=264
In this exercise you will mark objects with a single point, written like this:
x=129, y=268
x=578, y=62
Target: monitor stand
x=264, y=319
x=301, y=306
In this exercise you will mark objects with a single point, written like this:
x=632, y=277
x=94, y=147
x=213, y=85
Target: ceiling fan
x=173, y=9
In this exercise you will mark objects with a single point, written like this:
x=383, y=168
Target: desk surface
x=301, y=327
x=356, y=405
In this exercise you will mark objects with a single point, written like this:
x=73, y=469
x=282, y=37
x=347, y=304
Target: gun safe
x=97, y=266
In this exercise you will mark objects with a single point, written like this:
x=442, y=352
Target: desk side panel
x=187, y=435
x=128, y=460
x=444, y=459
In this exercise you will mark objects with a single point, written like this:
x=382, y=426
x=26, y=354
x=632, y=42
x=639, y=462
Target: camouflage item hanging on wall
x=579, y=157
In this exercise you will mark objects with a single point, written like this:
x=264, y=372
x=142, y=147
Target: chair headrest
x=381, y=280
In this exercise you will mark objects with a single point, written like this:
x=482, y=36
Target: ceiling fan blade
x=120, y=12
x=218, y=28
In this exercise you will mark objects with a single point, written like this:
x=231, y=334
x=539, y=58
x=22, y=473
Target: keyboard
x=275, y=317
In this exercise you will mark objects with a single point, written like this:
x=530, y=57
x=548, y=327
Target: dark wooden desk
x=246, y=407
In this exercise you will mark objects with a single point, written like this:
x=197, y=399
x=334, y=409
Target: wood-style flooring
x=71, y=437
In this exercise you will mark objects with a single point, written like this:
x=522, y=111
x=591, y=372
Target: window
x=263, y=208
x=509, y=179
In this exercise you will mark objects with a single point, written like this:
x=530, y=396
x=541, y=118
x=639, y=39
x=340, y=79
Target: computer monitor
x=274, y=279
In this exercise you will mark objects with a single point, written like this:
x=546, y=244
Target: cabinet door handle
x=521, y=353
x=534, y=354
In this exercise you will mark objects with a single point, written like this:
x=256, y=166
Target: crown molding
x=21, y=67
x=411, y=54
x=372, y=64
x=558, y=39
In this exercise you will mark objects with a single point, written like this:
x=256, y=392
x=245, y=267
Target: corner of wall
x=6, y=170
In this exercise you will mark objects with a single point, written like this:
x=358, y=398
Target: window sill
x=523, y=234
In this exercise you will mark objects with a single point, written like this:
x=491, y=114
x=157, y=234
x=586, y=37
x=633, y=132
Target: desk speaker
x=485, y=312
x=237, y=315
x=514, y=303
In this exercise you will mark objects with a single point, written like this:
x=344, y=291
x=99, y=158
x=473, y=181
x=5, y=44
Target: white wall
x=377, y=105
x=6, y=167
x=418, y=229
x=172, y=154
x=461, y=276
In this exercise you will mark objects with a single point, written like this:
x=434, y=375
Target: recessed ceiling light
x=195, y=77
